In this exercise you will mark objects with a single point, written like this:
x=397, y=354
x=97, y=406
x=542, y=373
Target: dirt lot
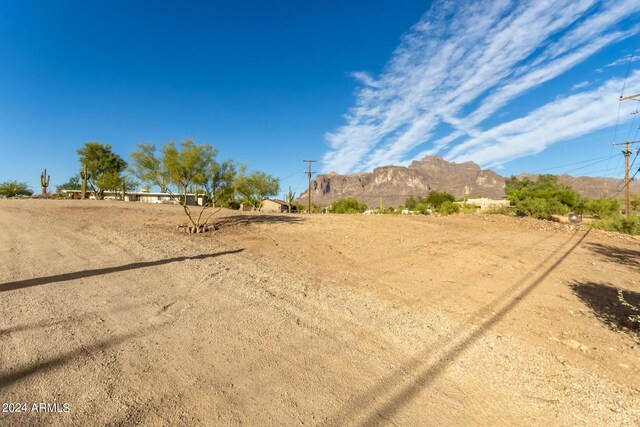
x=314, y=320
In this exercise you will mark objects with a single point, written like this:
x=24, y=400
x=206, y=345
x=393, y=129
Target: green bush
x=425, y=205
x=635, y=202
x=601, y=208
x=541, y=208
x=542, y=198
x=620, y=224
x=422, y=208
x=436, y=199
x=448, y=207
x=412, y=201
x=14, y=188
x=500, y=210
x=348, y=205
x=468, y=208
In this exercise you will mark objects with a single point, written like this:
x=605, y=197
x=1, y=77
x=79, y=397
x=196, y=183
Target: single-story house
x=274, y=205
x=139, y=196
x=484, y=203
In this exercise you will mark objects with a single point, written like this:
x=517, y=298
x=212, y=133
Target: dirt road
x=321, y=320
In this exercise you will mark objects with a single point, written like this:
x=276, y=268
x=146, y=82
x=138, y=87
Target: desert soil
x=315, y=320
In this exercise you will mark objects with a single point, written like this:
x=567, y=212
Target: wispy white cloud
x=581, y=85
x=549, y=124
x=459, y=65
x=624, y=60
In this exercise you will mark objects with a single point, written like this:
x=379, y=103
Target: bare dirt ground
x=314, y=320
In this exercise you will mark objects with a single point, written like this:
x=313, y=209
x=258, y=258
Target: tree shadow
x=453, y=345
x=624, y=256
x=603, y=300
x=236, y=220
x=10, y=286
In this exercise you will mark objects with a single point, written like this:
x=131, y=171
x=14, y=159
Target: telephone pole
x=627, y=181
x=627, y=153
x=309, y=174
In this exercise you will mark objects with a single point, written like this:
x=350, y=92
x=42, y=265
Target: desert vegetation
x=14, y=189
x=348, y=205
x=104, y=169
x=177, y=168
x=546, y=197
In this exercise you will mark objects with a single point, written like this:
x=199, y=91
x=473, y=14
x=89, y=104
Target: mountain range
x=391, y=185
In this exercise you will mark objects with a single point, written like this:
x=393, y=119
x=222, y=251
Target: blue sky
x=515, y=86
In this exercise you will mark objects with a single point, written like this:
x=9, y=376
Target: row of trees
x=176, y=169
x=546, y=197
x=441, y=202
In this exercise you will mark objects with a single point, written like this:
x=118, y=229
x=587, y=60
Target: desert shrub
x=14, y=188
x=436, y=199
x=541, y=208
x=468, y=208
x=601, y=208
x=542, y=198
x=348, y=205
x=448, y=207
x=620, y=224
x=422, y=208
x=635, y=202
x=412, y=201
x=500, y=210
x=233, y=204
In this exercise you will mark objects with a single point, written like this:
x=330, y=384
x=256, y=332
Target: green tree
x=600, y=208
x=436, y=198
x=541, y=198
x=348, y=205
x=220, y=183
x=104, y=166
x=255, y=187
x=15, y=188
x=412, y=201
x=448, y=207
x=72, y=184
x=180, y=167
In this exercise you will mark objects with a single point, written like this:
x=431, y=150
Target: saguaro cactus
x=44, y=181
x=84, y=174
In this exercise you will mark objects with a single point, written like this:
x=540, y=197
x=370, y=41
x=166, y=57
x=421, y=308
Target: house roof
x=134, y=193
x=278, y=201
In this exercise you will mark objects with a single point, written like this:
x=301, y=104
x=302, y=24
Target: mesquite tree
x=104, y=168
x=253, y=188
x=178, y=168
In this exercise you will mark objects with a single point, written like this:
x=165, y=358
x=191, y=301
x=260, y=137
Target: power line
x=309, y=174
x=603, y=158
x=633, y=52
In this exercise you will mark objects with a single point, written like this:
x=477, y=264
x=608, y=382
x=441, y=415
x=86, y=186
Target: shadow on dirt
x=386, y=398
x=249, y=219
x=603, y=299
x=9, y=378
x=624, y=256
x=10, y=286
x=50, y=323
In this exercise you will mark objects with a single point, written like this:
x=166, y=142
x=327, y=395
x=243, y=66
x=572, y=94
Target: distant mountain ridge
x=391, y=185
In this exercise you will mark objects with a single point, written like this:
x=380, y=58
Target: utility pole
x=309, y=174
x=627, y=181
x=627, y=153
